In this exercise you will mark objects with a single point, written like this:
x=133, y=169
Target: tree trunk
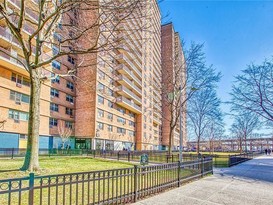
x=171, y=140
x=31, y=162
x=198, y=144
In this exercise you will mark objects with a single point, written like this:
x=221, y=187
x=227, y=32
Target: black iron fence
x=117, y=186
x=155, y=156
x=240, y=158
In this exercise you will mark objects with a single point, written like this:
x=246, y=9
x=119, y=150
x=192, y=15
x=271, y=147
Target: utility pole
x=180, y=128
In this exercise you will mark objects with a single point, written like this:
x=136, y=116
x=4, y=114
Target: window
x=100, y=126
x=121, y=130
x=60, y=26
x=19, y=97
x=69, y=98
x=70, y=85
x=110, y=116
x=69, y=111
x=100, y=87
x=53, y=122
x=13, y=114
x=131, y=133
x=20, y=80
x=121, y=120
x=57, y=65
x=131, y=123
x=69, y=124
x=56, y=78
x=13, y=77
x=58, y=37
x=110, y=92
x=110, y=128
x=100, y=100
x=17, y=115
x=110, y=104
x=54, y=92
x=121, y=110
x=23, y=116
x=71, y=60
x=131, y=114
x=54, y=107
x=100, y=113
x=26, y=82
x=55, y=50
x=101, y=75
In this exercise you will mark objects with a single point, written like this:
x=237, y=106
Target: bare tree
x=215, y=132
x=243, y=126
x=203, y=109
x=253, y=90
x=74, y=29
x=64, y=132
x=192, y=74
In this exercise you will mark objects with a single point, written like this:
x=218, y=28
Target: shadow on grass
x=9, y=170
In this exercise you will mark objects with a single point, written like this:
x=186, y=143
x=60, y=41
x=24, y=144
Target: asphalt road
x=249, y=183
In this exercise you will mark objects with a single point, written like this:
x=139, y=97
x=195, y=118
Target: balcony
x=157, y=106
x=8, y=37
x=124, y=70
x=123, y=59
x=130, y=35
x=29, y=12
x=122, y=90
x=130, y=105
x=157, y=120
x=123, y=80
x=157, y=99
x=131, y=55
x=157, y=93
x=134, y=46
x=12, y=63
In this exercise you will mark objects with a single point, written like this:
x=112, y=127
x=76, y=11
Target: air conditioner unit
x=50, y=126
x=19, y=85
x=16, y=121
x=71, y=116
x=17, y=102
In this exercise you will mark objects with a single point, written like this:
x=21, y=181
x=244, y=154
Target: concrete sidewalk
x=249, y=183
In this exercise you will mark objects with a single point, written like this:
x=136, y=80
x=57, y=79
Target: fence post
x=172, y=158
x=202, y=166
x=178, y=173
x=118, y=155
x=12, y=153
x=31, y=190
x=128, y=156
x=229, y=160
x=135, y=183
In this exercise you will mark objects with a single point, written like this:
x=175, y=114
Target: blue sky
x=235, y=33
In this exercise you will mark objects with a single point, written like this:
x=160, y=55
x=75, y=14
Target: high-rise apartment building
x=122, y=112
x=115, y=100
x=174, y=77
x=113, y=103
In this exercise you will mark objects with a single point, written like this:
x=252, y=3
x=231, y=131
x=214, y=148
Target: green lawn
x=58, y=165
x=90, y=190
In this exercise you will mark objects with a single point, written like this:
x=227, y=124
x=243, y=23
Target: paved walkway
x=249, y=183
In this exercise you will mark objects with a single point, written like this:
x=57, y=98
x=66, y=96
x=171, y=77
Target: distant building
x=174, y=77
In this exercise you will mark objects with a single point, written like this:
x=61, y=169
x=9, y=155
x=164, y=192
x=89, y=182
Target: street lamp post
x=180, y=128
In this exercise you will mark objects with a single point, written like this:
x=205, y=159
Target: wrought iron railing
x=117, y=186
